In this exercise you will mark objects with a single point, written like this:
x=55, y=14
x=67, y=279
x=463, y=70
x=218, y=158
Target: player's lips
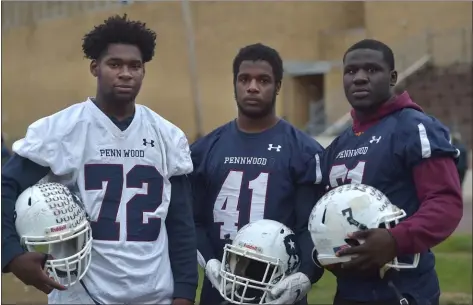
x=360, y=93
x=124, y=88
x=252, y=100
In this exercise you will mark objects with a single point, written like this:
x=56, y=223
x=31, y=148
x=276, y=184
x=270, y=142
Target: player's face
x=119, y=73
x=367, y=79
x=255, y=89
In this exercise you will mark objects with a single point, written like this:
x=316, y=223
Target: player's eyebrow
x=120, y=59
x=363, y=65
x=257, y=75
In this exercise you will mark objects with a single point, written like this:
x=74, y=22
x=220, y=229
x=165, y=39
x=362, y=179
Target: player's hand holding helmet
x=263, y=254
x=346, y=209
x=52, y=220
x=212, y=272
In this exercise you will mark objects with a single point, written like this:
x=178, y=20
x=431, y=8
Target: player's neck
x=366, y=114
x=371, y=113
x=119, y=111
x=255, y=125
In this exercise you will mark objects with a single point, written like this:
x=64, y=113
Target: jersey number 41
x=234, y=192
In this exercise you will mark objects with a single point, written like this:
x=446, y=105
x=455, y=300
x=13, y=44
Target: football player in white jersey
x=130, y=168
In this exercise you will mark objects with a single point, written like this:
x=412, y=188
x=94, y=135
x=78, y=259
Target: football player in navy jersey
x=406, y=154
x=255, y=167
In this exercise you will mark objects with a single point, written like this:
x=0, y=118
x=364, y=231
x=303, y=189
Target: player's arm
x=182, y=239
x=295, y=287
x=204, y=246
x=306, y=197
x=306, y=167
x=432, y=159
x=5, y=152
x=17, y=175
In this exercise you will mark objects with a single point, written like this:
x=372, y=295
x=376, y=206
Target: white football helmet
x=262, y=254
x=347, y=209
x=51, y=219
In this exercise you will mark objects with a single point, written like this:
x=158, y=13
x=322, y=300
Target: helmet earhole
x=29, y=201
x=323, y=216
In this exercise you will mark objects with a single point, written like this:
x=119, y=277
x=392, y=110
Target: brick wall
x=446, y=93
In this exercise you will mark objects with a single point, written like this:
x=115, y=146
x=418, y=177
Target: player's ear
x=94, y=67
x=393, y=78
x=278, y=87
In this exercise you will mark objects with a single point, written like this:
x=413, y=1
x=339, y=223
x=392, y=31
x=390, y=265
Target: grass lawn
x=453, y=265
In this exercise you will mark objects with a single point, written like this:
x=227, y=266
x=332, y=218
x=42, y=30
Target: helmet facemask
x=247, y=277
x=389, y=222
x=261, y=255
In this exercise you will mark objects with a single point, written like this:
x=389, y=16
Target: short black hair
x=118, y=29
x=376, y=45
x=259, y=51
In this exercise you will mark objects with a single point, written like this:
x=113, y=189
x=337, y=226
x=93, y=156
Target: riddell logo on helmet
x=252, y=247
x=58, y=228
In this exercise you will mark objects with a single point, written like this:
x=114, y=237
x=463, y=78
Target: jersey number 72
x=141, y=222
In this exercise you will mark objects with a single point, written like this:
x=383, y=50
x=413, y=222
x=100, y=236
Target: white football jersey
x=123, y=179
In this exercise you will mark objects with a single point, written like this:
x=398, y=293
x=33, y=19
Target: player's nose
x=361, y=77
x=125, y=73
x=253, y=86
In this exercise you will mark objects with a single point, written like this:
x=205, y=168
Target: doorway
x=309, y=105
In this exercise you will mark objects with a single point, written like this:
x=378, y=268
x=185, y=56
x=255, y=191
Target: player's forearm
x=439, y=191
x=313, y=272
x=204, y=246
x=306, y=197
x=10, y=241
x=182, y=239
x=17, y=175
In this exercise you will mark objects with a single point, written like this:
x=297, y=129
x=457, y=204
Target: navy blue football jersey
x=383, y=156
x=241, y=177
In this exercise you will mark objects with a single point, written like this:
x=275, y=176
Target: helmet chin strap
x=389, y=274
